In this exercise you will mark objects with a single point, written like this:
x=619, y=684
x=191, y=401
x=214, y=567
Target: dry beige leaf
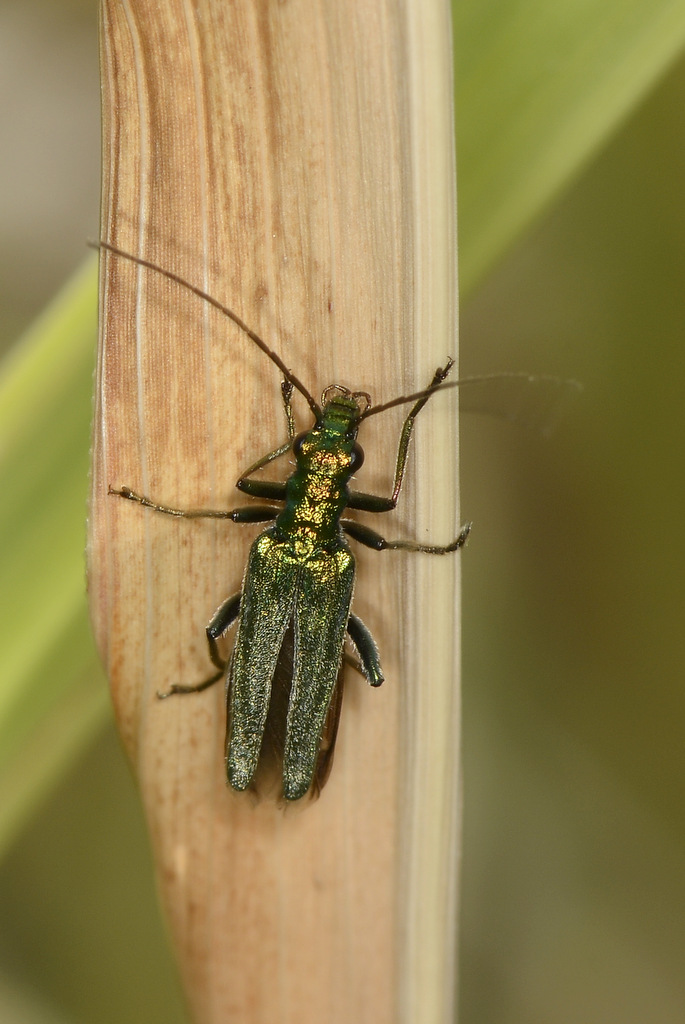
x=295, y=160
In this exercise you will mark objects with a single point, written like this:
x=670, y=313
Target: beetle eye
x=357, y=458
x=297, y=444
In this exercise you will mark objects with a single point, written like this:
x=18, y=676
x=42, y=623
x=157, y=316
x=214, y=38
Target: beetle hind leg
x=221, y=621
x=369, y=661
x=192, y=688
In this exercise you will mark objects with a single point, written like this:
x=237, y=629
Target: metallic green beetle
x=283, y=686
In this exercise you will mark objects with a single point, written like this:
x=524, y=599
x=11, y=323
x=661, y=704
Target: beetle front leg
x=272, y=490
x=373, y=502
x=371, y=539
x=287, y=393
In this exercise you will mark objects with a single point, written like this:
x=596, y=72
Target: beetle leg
x=194, y=688
x=245, y=514
x=371, y=539
x=375, y=503
x=222, y=619
x=366, y=648
x=287, y=392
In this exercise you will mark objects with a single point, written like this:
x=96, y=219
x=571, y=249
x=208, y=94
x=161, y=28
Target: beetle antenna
x=177, y=279
x=404, y=399
x=417, y=395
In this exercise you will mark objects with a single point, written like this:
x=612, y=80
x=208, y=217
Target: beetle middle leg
x=374, y=540
x=221, y=621
x=244, y=514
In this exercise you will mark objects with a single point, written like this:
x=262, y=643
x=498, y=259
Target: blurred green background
x=572, y=165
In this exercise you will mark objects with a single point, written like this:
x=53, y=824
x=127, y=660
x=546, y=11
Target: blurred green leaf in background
x=574, y=866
